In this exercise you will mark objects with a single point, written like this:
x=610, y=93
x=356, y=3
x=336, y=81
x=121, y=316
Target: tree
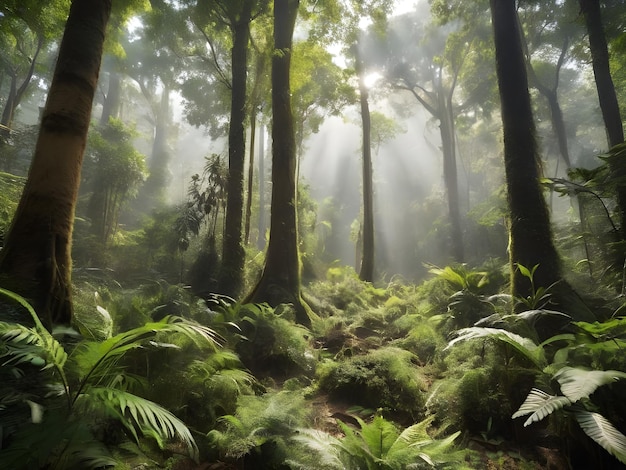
x=366, y=272
x=530, y=234
x=114, y=170
x=36, y=260
x=28, y=28
x=281, y=280
x=431, y=74
x=606, y=91
x=549, y=35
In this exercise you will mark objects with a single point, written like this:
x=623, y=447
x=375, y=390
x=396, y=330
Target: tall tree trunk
x=606, y=92
x=255, y=101
x=233, y=254
x=36, y=259
x=250, y=178
x=602, y=72
x=280, y=281
x=366, y=272
x=156, y=184
x=111, y=104
x=260, y=241
x=450, y=174
x=530, y=231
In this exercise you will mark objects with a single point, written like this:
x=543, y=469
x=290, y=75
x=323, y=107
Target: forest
x=312, y=234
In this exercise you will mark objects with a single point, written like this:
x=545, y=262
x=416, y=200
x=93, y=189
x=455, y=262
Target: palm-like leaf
x=539, y=404
x=136, y=412
x=28, y=345
x=524, y=346
x=598, y=428
x=95, y=358
x=580, y=383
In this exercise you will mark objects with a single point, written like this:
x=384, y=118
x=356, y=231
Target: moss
x=385, y=378
x=9, y=197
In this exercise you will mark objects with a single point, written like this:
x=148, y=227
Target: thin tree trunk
x=16, y=93
x=250, y=178
x=260, y=242
x=450, y=175
x=602, y=72
x=280, y=281
x=36, y=259
x=606, y=92
x=233, y=254
x=366, y=272
x=158, y=180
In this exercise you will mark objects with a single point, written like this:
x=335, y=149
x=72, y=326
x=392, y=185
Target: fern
x=63, y=436
x=146, y=415
x=379, y=445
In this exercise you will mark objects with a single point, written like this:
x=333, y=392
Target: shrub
x=384, y=378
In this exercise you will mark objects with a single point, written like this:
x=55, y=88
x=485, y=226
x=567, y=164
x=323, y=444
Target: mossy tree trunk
x=36, y=261
x=530, y=234
x=233, y=254
x=280, y=281
x=366, y=272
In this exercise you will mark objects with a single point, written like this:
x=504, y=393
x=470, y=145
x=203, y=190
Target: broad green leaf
x=580, y=383
x=598, y=428
x=539, y=404
x=524, y=346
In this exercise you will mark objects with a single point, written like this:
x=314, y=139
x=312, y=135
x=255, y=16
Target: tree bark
x=530, y=231
x=260, y=241
x=157, y=182
x=366, y=272
x=36, y=259
x=280, y=280
x=248, y=216
x=450, y=174
x=111, y=104
x=233, y=254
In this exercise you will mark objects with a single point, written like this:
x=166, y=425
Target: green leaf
x=524, y=346
x=539, y=404
x=598, y=428
x=580, y=383
x=379, y=436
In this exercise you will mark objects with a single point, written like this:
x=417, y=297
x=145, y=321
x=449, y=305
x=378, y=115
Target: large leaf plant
x=552, y=360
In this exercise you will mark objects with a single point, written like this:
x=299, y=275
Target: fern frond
x=199, y=334
x=25, y=345
x=136, y=412
x=379, y=436
x=598, y=428
x=524, y=346
x=539, y=404
x=580, y=383
x=326, y=446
